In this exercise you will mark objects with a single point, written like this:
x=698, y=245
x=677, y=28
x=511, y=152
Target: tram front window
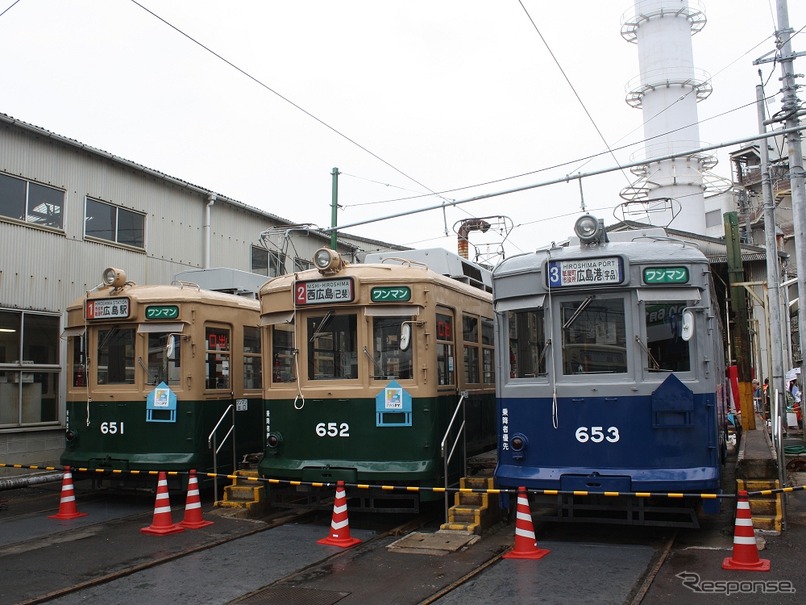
x=161, y=368
x=594, y=336
x=667, y=351
x=527, y=344
x=115, y=356
x=332, y=347
x=389, y=361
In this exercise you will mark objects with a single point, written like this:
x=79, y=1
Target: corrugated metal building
x=68, y=211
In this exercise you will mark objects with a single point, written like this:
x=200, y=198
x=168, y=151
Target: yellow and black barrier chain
x=411, y=488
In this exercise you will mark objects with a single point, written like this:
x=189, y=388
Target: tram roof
x=377, y=273
x=176, y=292
x=639, y=247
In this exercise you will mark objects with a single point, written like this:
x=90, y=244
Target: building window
x=713, y=218
x=114, y=224
x=29, y=368
x=260, y=260
x=302, y=264
x=31, y=202
x=269, y=263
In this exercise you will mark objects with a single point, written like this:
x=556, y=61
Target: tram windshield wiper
x=321, y=325
x=378, y=366
x=582, y=306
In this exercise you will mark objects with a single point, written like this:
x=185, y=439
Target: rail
x=446, y=457
x=212, y=445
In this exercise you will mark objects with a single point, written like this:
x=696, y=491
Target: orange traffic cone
x=525, y=540
x=745, y=550
x=67, y=502
x=193, y=513
x=162, y=523
x=340, y=524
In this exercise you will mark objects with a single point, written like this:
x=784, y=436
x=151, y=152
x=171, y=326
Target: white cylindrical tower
x=667, y=91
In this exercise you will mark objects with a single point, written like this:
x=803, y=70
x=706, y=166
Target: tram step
x=473, y=511
x=766, y=509
x=244, y=493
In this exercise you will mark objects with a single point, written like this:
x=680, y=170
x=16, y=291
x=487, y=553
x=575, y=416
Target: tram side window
x=446, y=373
x=282, y=353
x=218, y=357
x=79, y=360
x=594, y=336
x=332, y=347
x=667, y=351
x=470, y=335
x=252, y=370
x=487, y=351
x=161, y=368
x=115, y=356
x=527, y=343
x=389, y=360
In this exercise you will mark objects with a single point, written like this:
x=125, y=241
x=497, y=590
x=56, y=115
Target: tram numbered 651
x=156, y=375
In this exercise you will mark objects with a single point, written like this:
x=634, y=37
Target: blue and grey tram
x=612, y=375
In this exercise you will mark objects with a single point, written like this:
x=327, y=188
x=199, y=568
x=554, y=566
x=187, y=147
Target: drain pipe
x=16, y=482
x=211, y=198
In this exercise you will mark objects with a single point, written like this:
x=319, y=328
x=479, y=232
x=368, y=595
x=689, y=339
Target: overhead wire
x=573, y=89
x=281, y=96
x=609, y=150
x=12, y=5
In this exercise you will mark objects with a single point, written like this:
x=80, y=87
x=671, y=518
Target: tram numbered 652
x=366, y=365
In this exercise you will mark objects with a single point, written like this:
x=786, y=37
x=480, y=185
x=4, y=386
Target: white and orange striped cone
x=340, y=524
x=193, y=512
x=162, y=523
x=745, y=549
x=67, y=501
x=525, y=540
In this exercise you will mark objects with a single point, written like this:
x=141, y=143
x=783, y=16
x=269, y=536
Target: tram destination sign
x=666, y=275
x=323, y=291
x=107, y=308
x=585, y=272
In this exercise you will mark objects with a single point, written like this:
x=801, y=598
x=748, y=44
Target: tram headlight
x=114, y=277
x=71, y=437
x=327, y=260
x=517, y=445
x=273, y=442
x=589, y=229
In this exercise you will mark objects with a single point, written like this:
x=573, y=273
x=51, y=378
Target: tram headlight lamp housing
x=590, y=230
x=274, y=441
x=71, y=437
x=327, y=260
x=517, y=445
x=114, y=277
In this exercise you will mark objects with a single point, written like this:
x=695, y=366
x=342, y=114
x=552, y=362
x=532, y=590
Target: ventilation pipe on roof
x=471, y=224
x=211, y=198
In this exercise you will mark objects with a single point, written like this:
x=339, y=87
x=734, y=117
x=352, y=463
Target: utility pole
x=790, y=112
x=334, y=208
x=776, y=325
